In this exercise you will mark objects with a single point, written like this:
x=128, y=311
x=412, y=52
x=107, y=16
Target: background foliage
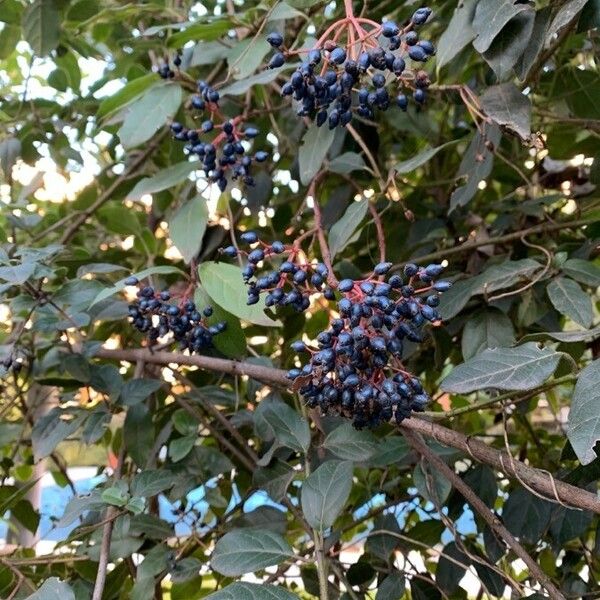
x=503, y=187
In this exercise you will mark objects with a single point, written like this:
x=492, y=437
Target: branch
x=106, y=537
x=108, y=193
x=488, y=516
x=541, y=481
x=508, y=237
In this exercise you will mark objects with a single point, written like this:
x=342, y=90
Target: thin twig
x=487, y=515
x=106, y=537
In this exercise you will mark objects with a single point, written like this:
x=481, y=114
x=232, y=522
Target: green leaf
x=280, y=421
x=41, y=26
x=9, y=37
x=163, y=180
x=53, y=589
x=149, y=113
x=315, y=145
x=51, y=429
x=570, y=300
x=564, y=336
x=526, y=516
x=348, y=443
x=584, y=419
x=584, y=271
x=324, y=493
x=151, y=482
x=247, y=550
x=252, y=591
x=247, y=55
x=224, y=284
x=139, y=433
x=487, y=329
x=120, y=285
x=342, y=231
x=508, y=47
x=135, y=391
x=420, y=159
x=243, y=85
x=521, y=368
x=187, y=227
x=114, y=496
x=207, y=30
x=475, y=166
x=179, y=448
x=17, y=274
x=347, y=162
x=127, y=94
x=490, y=18
x=232, y=341
x=431, y=485
x=457, y=34
x=508, y=106
x=284, y=11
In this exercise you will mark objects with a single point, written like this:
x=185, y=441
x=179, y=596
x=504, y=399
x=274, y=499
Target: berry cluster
x=224, y=150
x=356, y=368
x=10, y=363
x=289, y=285
x=153, y=315
x=165, y=70
x=334, y=81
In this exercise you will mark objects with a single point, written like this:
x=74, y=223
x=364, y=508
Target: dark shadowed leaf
x=458, y=33
x=487, y=329
x=490, y=18
x=526, y=516
x=509, y=107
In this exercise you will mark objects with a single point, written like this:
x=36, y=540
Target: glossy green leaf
x=224, y=284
